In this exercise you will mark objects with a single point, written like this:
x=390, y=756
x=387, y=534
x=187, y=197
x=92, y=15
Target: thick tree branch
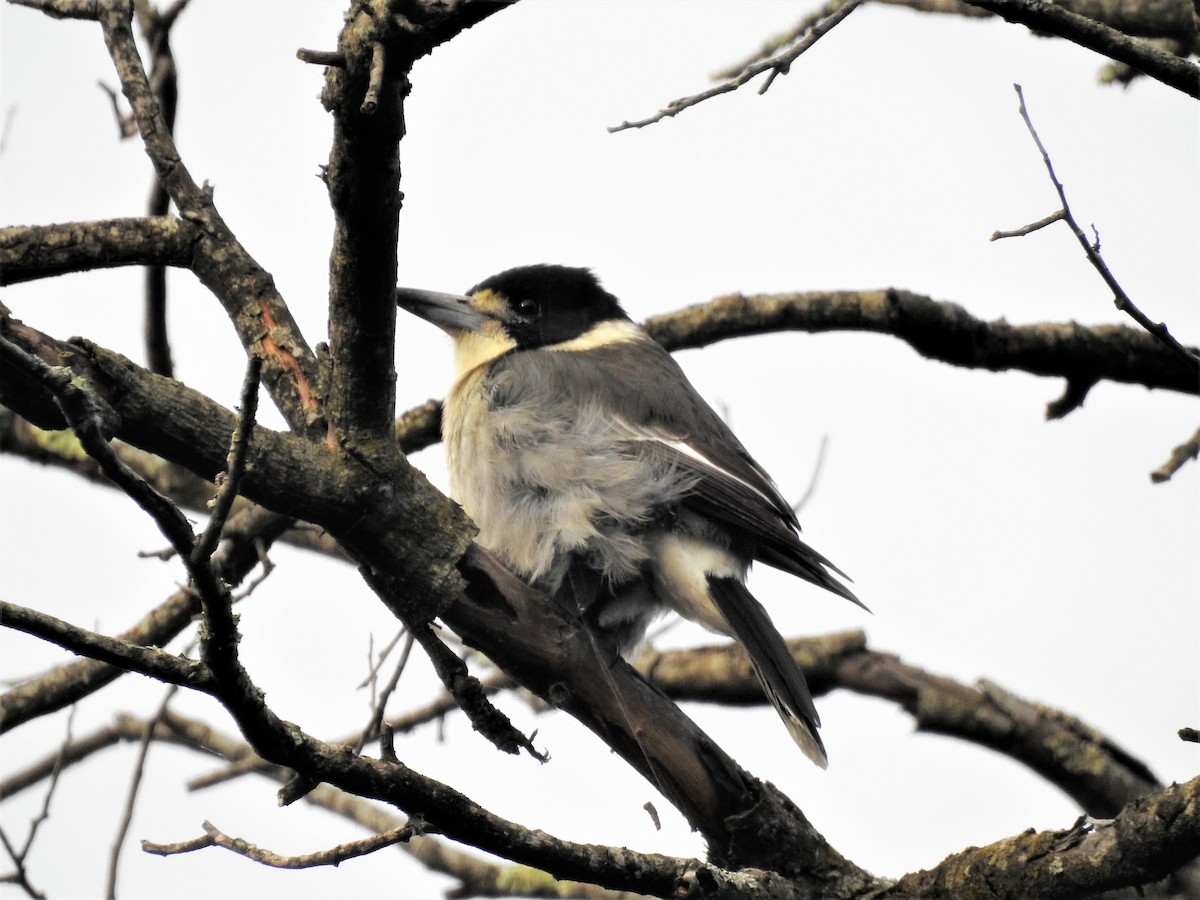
x=29, y=252
x=938, y=330
x=1089, y=767
x=1147, y=841
x=366, y=95
x=60, y=449
x=392, y=782
x=1153, y=20
x=363, y=177
x=382, y=521
x=1052, y=18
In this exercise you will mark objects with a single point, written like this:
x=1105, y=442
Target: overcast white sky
x=988, y=542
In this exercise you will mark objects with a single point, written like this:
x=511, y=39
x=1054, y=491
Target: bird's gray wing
x=655, y=409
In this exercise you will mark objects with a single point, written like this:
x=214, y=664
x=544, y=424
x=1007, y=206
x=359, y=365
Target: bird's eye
x=527, y=307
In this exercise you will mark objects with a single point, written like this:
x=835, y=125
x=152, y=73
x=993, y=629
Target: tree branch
x=811, y=30
x=245, y=289
x=1051, y=18
x=214, y=837
x=157, y=664
x=1085, y=764
x=69, y=683
x=1148, y=840
x=938, y=330
x=29, y=252
x=156, y=29
x=1189, y=449
x=60, y=448
x=1092, y=251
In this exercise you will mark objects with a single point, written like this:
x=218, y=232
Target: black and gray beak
x=452, y=312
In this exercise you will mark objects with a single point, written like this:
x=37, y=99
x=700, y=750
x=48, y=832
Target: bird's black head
x=544, y=304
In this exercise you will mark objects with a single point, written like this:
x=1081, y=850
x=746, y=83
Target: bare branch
x=1055, y=216
x=29, y=252
x=1051, y=18
x=1047, y=741
x=135, y=783
x=158, y=664
x=60, y=448
x=156, y=29
x=1148, y=840
x=813, y=29
x=938, y=330
x=1189, y=449
x=238, y=448
x=245, y=289
x=213, y=837
x=64, y=9
x=18, y=856
x=334, y=58
x=1092, y=250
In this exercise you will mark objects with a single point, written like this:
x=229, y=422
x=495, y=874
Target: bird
x=597, y=473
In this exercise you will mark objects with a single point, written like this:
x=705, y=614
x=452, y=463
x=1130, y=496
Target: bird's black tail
x=780, y=676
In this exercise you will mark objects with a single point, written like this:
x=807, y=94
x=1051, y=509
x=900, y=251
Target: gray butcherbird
x=597, y=473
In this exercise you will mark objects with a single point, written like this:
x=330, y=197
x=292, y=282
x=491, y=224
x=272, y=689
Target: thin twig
x=1027, y=229
x=1189, y=449
x=135, y=783
x=779, y=64
x=239, y=447
x=814, y=478
x=331, y=857
x=1092, y=250
x=20, y=876
x=375, y=725
x=375, y=664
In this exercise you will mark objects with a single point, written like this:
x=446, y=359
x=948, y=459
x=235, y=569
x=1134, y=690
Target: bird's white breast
x=547, y=477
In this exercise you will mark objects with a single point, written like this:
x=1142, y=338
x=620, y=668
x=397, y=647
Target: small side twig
x=1092, y=250
x=228, y=483
x=333, y=58
x=814, y=478
x=1189, y=449
x=375, y=725
x=1027, y=229
x=1072, y=398
x=818, y=26
x=374, y=80
x=466, y=689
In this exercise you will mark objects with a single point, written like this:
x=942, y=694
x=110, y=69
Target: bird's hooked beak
x=450, y=312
